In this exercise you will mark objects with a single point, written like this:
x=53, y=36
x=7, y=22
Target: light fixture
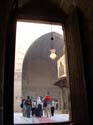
x=53, y=54
x=52, y=50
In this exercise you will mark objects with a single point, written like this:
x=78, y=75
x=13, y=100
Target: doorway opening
x=37, y=75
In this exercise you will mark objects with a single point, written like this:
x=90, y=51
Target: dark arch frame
x=74, y=58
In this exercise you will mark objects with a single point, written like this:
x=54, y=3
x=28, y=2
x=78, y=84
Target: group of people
x=37, y=107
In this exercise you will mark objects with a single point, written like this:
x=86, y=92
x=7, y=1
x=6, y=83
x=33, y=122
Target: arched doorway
x=39, y=72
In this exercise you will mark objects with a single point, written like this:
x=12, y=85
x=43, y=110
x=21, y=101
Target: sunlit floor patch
x=19, y=119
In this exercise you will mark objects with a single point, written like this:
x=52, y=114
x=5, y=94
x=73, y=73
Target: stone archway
x=39, y=72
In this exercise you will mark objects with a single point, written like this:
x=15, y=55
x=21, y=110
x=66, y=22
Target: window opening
x=39, y=78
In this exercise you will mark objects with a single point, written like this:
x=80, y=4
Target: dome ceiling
x=37, y=66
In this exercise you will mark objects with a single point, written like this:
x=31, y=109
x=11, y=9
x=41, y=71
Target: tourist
x=39, y=112
x=28, y=106
x=52, y=107
x=34, y=106
x=23, y=106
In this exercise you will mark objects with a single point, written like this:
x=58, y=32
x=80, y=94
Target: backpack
x=45, y=104
x=21, y=105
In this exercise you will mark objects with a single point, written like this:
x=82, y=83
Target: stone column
x=79, y=108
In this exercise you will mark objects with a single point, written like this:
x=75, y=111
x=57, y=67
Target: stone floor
x=19, y=119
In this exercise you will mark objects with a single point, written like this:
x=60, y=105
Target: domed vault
x=39, y=72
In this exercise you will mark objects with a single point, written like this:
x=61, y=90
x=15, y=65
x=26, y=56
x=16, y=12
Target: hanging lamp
x=52, y=50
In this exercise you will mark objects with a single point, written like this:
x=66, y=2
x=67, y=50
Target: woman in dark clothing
x=52, y=107
x=28, y=106
x=39, y=111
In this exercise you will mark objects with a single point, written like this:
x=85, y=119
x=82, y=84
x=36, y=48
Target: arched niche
x=39, y=72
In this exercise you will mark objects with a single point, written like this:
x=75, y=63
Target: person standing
x=39, y=107
x=52, y=107
x=46, y=108
x=34, y=106
x=23, y=106
x=28, y=106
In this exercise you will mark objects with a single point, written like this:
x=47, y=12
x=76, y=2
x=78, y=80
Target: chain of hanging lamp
x=52, y=50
